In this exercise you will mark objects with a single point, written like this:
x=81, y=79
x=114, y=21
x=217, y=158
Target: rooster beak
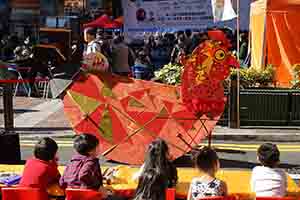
x=233, y=62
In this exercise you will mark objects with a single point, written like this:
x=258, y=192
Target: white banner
x=166, y=15
x=222, y=10
x=172, y=15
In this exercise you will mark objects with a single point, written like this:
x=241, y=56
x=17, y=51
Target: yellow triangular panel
x=86, y=104
x=134, y=103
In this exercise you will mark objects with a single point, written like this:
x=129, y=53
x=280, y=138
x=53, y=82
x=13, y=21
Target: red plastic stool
x=82, y=194
x=23, y=193
x=275, y=198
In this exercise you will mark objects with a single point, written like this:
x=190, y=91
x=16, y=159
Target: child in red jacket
x=41, y=171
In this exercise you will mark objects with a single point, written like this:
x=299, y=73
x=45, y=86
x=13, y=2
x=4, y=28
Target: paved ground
x=38, y=116
x=35, y=116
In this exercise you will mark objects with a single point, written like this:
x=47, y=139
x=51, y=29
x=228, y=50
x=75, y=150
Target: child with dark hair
x=83, y=170
x=158, y=158
x=268, y=180
x=152, y=186
x=207, y=162
x=41, y=171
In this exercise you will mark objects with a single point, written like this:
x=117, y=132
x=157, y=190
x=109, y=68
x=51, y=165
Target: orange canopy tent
x=275, y=36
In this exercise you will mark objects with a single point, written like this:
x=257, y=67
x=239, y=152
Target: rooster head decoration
x=204, y=71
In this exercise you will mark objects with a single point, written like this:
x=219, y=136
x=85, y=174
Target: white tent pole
x=238, y=55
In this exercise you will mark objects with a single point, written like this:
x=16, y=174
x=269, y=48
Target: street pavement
x=237, y=147
x=36, y=117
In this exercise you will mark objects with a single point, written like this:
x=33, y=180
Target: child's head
x=151, y=186
x=207, y=160
x=45, y=149
x=268, y=155
x=157, y=154
x=86, y=144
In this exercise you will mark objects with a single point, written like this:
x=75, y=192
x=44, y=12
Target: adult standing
x=120, y=57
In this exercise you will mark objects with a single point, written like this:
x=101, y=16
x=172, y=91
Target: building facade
x=25, y=16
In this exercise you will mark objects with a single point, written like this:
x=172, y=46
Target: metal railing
x=267, y=107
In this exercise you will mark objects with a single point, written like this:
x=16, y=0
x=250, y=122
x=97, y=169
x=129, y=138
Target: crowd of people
x=154, y=51
x=156, y=174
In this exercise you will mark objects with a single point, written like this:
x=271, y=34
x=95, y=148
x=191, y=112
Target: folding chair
x=82, y=194
x=23, y=193
x=44, y=83
x=25, y=85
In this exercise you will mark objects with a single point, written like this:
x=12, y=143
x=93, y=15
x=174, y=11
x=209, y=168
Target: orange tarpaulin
x=281, y=37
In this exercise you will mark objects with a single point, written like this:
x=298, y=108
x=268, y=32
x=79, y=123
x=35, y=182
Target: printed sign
x=166, y=15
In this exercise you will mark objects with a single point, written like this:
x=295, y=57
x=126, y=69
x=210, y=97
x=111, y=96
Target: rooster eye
x=220, y=55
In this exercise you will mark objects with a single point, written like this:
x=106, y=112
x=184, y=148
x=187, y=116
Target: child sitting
x=267, y=180
x=41, y=171
x=83, y=171
x=151, y=186
x=158, y=158
x=207, y=162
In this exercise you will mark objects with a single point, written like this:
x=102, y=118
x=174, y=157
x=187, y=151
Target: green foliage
x=296, y=76
x=250, y=77
x=169, y=74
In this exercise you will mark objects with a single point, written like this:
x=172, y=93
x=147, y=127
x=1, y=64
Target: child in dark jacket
x=41, y=171
x=83, y=171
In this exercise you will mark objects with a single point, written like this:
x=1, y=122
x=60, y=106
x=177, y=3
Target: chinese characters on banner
x=170, y=15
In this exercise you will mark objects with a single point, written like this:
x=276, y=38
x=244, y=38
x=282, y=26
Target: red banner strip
x=24, y=80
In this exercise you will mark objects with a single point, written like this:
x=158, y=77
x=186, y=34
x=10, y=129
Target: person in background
x=188, y=41
x=197, y=39
x=152, y=186
x=243, y=47
x=268, y=180
x=92, y=45
x=142, y=62
x=41, y=170
x=105, y=44
x=120, y=57
x=161, y=54
x=150, y=44
x=158, y=158
x=178, y=50
x=207, y=162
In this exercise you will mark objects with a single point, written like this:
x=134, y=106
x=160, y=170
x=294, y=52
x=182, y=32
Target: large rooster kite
x=127, y=114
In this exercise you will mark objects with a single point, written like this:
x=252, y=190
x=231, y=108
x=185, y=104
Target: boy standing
x=268, y=180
